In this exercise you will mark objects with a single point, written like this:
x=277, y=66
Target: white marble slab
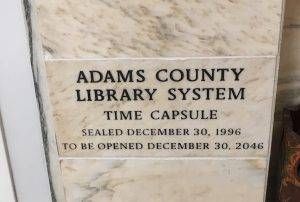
x=164, y=180
x=251, y=115
x=155, y=28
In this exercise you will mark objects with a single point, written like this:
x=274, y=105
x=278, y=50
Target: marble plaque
x=162, y=107
x=157, y=100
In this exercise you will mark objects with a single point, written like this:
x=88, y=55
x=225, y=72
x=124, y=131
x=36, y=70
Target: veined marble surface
x=156, y=28
x=252, y=114
x=102, y=29
x=161, y=180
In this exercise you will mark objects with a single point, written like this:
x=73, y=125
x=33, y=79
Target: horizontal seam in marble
x=162, y=158
x=162, y=58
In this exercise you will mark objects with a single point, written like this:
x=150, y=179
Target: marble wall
x=71, y=35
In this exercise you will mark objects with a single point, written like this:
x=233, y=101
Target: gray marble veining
x=192, y=28
x=103, y=29
x=163, y=180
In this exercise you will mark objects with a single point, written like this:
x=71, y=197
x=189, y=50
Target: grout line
x=162, y=158
x=159, y=58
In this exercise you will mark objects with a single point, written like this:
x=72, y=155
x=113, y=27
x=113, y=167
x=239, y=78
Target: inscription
x=147, y=107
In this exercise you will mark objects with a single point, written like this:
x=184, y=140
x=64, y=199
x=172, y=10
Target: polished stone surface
x=112, y=28
x=251, y=114
x=161, y=180
x=80, y=35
